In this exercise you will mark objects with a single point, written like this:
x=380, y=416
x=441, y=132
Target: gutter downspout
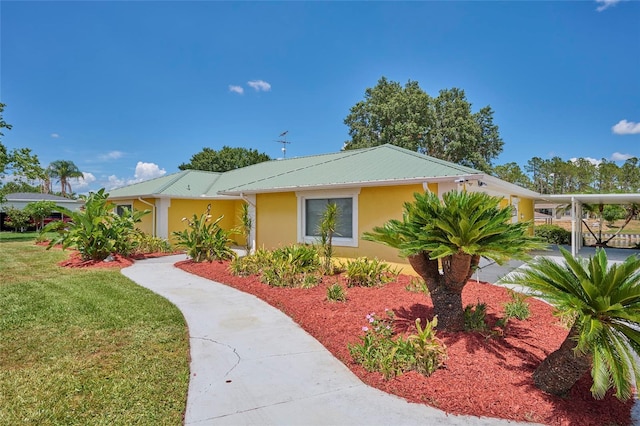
x=153, y=215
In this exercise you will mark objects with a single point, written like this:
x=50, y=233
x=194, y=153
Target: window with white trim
x=311, y=207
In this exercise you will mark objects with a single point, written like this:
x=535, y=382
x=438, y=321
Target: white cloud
x=83, y=182
x=625, y=127
x=55, y=135
x=236, y=89
x=146, y=171
x=605, y=4
x=589, y=159
x=113, y=155
x=259, y=85
x=617, y=156
x=114, y=182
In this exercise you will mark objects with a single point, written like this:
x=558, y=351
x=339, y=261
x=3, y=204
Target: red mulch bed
x=118, y=262
x=484, y=375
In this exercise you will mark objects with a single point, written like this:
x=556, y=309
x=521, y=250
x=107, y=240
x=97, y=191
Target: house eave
x=362, y=184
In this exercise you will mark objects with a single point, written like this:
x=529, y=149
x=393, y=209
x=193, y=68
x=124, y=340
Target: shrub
x=145, y=243
x=304, y=258
x=474, y=317
x=251, y=264
x=17, y=219
x=518, y=307
x=97, y=231
x=38, y=210
x=292, y=266
x=364, y=272
x=422, y=352
x=205, y=240
x=553, y=234
x=336, y=293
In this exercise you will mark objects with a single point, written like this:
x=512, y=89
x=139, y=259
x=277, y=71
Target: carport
x=576, y=201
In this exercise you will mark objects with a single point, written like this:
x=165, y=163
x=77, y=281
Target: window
x=120, y=208
x=311, y=206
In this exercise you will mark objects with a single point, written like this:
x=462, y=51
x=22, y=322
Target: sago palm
x=456, y=231
x=603, y=302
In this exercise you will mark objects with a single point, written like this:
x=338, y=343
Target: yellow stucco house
x=286, y=197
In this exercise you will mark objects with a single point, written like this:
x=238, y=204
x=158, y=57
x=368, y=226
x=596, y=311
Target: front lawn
x=86, y=346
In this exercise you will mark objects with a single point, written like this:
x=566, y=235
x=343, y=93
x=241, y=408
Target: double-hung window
x=311, y=207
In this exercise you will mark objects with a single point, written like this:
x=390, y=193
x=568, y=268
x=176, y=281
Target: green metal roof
x=185, y=184
x=380, y=165
x=384, y=164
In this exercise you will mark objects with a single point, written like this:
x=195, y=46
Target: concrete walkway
x=252, y=365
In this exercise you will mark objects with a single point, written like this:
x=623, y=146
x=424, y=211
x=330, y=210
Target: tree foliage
x=4, y=155
x=456, y=232
x=603, y=301
x=225, y=159
x=97, y=231
x=38, y=210
x=64, y=171
x=443, y=126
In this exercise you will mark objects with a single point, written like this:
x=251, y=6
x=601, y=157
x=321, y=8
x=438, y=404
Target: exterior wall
x=376, y=206
x=276, y=220
x=180, y=208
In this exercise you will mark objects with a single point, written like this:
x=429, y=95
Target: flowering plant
x=379, y=351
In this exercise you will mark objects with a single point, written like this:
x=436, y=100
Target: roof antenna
x=283, y=141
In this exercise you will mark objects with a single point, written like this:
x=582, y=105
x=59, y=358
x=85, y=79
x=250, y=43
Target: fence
x=620, y=241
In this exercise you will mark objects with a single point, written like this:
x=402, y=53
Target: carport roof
x=591, y=198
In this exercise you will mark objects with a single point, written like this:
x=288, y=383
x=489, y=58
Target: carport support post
x=574, y=226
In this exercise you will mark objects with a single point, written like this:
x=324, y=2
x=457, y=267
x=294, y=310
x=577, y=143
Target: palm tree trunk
x=446, y=290
x=558, y=373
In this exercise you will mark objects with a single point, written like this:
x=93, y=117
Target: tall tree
x=4, y=155
x=606, y=177
x=630, y=175
x=226, y=159
x=511, y=172
x=454, y=232
x=63, y=171
x=25, y=165
x=443, y=127
x=390, y=114
x=602, y=303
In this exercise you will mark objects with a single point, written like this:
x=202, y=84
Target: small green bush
x=422, y=352
x=146, y=243
x=17, y=219
x=97, y=231
x=251, y=264
x=364, y=272
x=553, y=234
x=518, y=307
x=292, y=266
x=474, y=317
x=336, y=293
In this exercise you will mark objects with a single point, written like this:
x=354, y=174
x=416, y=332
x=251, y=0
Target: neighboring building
x=287, y=196
x=19, y=200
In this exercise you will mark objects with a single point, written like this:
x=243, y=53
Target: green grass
x=6, y=236
x=86, y=346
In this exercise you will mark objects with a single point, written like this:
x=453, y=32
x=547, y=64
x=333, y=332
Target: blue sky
x=130, y=90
